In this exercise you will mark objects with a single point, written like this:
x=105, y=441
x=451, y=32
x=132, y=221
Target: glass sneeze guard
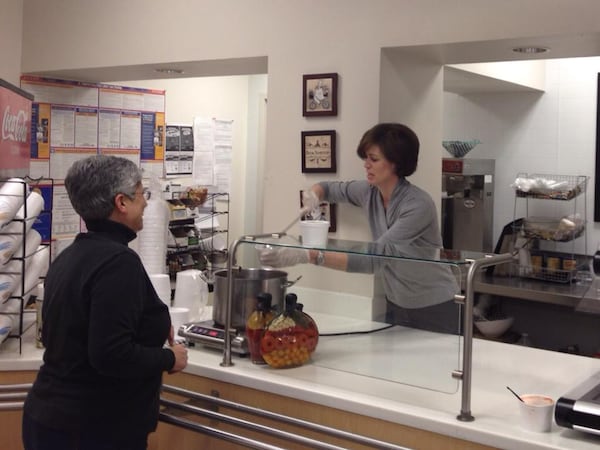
x=381, y=349
x=397, y=345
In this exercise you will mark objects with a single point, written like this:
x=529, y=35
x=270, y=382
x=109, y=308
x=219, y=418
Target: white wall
x=255, y=153
x=11, y=29
x=312, y=36
x=551, y=133
x=230, y=98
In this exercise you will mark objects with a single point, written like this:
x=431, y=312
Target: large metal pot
x=247, y=284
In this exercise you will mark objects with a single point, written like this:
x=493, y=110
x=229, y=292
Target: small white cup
x=536, y=412
x=314, y=233
x=179, y=316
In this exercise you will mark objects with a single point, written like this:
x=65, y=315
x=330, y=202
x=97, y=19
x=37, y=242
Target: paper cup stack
x=191, y=292
x=152, y=245
x=162, y=286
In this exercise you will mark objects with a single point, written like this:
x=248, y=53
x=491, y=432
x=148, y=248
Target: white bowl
x=494, y=328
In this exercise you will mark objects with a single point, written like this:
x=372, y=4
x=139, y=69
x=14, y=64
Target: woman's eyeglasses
x=146, y=193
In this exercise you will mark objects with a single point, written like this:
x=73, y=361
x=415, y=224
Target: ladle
x=515, y=394
x=303, y=211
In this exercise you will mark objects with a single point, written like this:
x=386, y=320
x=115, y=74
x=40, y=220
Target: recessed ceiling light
x=530, y=50
x=169, y=70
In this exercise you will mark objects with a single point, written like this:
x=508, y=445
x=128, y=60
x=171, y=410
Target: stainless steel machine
x=468, y=204
x=579, y=408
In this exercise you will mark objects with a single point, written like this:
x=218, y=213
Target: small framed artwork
x=319, y=94
x=318, y=151
x=328, y=212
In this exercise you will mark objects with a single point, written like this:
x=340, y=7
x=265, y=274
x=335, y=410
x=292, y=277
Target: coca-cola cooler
x=468, y=204
x=15, y=140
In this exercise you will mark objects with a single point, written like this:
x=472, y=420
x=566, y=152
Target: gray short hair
x=92, y=184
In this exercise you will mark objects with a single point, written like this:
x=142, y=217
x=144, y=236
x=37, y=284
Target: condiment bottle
x=310, y=322
x=290, y=338
x=256, y=324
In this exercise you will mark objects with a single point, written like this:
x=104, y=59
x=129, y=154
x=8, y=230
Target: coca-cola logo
x=15, y=126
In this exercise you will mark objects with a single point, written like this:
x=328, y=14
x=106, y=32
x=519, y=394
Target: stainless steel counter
x=581, y=295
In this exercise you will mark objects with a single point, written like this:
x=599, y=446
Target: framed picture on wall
x=319, y=94
x=328, y=212
x=318, y=151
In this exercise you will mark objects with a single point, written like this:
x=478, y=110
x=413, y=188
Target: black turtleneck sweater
x=104, y=328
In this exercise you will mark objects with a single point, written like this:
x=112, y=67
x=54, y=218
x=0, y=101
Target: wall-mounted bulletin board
x=75, y=119
x=71, y=120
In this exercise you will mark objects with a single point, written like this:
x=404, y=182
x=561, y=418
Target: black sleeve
x=116, y=306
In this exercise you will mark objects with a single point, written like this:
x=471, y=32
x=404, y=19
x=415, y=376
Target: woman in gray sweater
x=404, y=224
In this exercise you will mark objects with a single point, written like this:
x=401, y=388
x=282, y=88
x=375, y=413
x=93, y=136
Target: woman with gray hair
x=104, y=325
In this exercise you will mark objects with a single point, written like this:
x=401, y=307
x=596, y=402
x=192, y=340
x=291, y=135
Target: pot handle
x=288, y=284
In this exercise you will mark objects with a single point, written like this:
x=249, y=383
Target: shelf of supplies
x=181, y=222
x=547, y=235
x=570, y=187
x=547, y=274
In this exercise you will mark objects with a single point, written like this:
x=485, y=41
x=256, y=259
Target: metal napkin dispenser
x=579, y=408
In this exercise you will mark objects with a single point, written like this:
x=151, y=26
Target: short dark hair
x=92, y=184
x=398, y=143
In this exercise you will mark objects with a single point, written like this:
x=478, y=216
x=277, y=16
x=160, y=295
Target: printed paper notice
x=86, y=127
x=62, y=126
x=131, y=130
x=109, y=129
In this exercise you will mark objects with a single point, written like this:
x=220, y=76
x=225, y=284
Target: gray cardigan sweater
x=407, y=229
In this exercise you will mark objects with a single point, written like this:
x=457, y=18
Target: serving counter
x=409, y=387
x=394, y=412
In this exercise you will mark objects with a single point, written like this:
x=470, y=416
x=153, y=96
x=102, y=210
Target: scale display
x=207, y=334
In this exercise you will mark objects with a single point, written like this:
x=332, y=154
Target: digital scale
x=210, y=335
x=579, y=408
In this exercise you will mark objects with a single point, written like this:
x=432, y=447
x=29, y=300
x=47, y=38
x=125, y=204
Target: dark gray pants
x=443, y=318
